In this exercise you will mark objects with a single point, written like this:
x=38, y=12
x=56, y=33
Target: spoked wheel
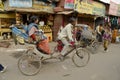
x=81, y=57
x=29, y=64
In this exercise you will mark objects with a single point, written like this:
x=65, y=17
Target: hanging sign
x=69, y=4
x=98, y=9
x=83, y=7
x=37, y=5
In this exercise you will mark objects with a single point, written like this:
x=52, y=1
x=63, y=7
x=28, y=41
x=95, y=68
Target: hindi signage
x=98, y=9
x=91, y=7
x=43, y=8
x=83, y=7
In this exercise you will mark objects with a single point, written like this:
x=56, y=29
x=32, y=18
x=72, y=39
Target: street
x=102, y=66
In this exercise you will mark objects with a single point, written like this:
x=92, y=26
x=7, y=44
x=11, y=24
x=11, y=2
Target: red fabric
x=72, y=43
x=43, y=45
x=33, y=37
x=59, y=45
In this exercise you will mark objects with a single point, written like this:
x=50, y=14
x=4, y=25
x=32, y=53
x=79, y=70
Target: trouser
x=1, y=67
x=105, y=44
x=66, y=46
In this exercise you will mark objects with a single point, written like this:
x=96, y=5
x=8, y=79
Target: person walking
x=114, y=35
x=106, y=39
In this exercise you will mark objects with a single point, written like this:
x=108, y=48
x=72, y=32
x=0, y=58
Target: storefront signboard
x=69, y=4
x=20, y=3
x=41, y=8
x=83, y=7
x=98, y=9
x=113, y=9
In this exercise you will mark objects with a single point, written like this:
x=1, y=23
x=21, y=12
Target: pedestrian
x=114, y=35
x=106, y=39
x=2, y=68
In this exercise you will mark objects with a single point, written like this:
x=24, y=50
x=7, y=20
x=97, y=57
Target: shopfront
x=45, y=21
x=5, y=22
x=24, y=11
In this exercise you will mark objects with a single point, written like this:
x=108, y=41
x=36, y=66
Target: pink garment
x=106, y=36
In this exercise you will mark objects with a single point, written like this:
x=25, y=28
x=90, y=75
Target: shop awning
x=65, y=12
